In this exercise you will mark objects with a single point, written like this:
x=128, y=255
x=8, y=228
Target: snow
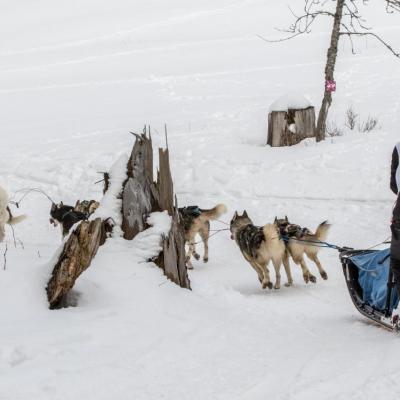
x=111, y=203
x=290, y=101
x=76, y=78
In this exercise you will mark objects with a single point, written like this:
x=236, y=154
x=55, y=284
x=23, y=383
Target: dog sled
x=370, y=284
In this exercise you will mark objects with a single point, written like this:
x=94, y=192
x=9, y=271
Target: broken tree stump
x=140, y=196
x=137, y=198
x=172, y=258
x=77, y=255
x=290, y=120
x=165, y=185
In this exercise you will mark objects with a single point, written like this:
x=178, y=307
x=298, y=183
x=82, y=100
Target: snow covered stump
x=291, y=119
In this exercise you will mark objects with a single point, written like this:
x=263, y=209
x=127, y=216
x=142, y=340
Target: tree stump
x=165, y=185
x=140, y=197
x=137, y=198
x=172, y=259
x=286, y=128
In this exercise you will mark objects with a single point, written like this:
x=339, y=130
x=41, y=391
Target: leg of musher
x=395, y=267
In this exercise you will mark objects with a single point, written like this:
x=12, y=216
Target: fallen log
x=76, y=256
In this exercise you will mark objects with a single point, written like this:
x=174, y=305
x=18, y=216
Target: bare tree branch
x=374, y=35
x=5, y=258
x=393, y=5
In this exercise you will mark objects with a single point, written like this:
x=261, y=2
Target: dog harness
x=293, y=230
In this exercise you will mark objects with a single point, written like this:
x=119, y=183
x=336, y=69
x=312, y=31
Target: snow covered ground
x=75, y=78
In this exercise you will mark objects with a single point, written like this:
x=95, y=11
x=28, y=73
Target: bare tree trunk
x=329, y=71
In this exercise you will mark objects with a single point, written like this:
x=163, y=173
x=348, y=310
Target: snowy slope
x=75, y=78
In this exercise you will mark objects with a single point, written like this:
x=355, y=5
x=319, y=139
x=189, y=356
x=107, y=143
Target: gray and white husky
x=259, y=246
x=6, y=216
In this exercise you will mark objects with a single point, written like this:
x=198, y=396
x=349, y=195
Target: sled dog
x=299, y=242
x=196, y=221
x=68, y=216
x=6, y=216
x=259, y=246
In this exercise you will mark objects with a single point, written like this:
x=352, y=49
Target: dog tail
x=215, y=212
x=17, y=220
x=322, y=231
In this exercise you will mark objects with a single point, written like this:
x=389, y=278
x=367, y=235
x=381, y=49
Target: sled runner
x=370, y=284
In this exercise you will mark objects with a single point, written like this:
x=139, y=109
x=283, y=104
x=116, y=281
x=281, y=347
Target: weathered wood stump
x=137, y=194
x=140, y=196
x=165, y=185
x=77, y=255
x=289, y=126
x=172, y=258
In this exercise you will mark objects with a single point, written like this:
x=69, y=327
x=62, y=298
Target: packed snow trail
x=76, y=78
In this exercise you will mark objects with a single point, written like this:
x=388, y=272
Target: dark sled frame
x=350, y=271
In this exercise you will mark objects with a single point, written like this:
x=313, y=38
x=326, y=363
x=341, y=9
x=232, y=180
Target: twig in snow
x=13, y=232
x=5, y=258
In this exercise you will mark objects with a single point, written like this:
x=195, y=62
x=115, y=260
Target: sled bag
x=373, y=274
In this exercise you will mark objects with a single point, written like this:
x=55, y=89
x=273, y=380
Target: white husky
x=5, y=214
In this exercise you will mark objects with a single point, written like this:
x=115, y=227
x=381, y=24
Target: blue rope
x=316, y=243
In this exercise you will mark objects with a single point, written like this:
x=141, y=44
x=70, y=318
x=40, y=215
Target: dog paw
x=205, y=259
x=189, y=266
x=288, y=284
x=313, y=279
x=324, y=275
x=306, y=278
x=196, y=256
x=267, y=285
x=277, y=287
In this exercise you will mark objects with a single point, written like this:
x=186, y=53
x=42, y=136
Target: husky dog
x=259, y=246
x=87, y=206
x=299, y=242
x=6, y=216
x=197, y=221
x=68, y=216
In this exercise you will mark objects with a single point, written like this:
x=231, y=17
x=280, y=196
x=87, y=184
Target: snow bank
x=147, y=244
x=290, y=101
x=111, y=203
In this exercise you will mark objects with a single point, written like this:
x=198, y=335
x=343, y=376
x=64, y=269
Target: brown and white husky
x=259, y=246
x=196, y=221
x=301, y=241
